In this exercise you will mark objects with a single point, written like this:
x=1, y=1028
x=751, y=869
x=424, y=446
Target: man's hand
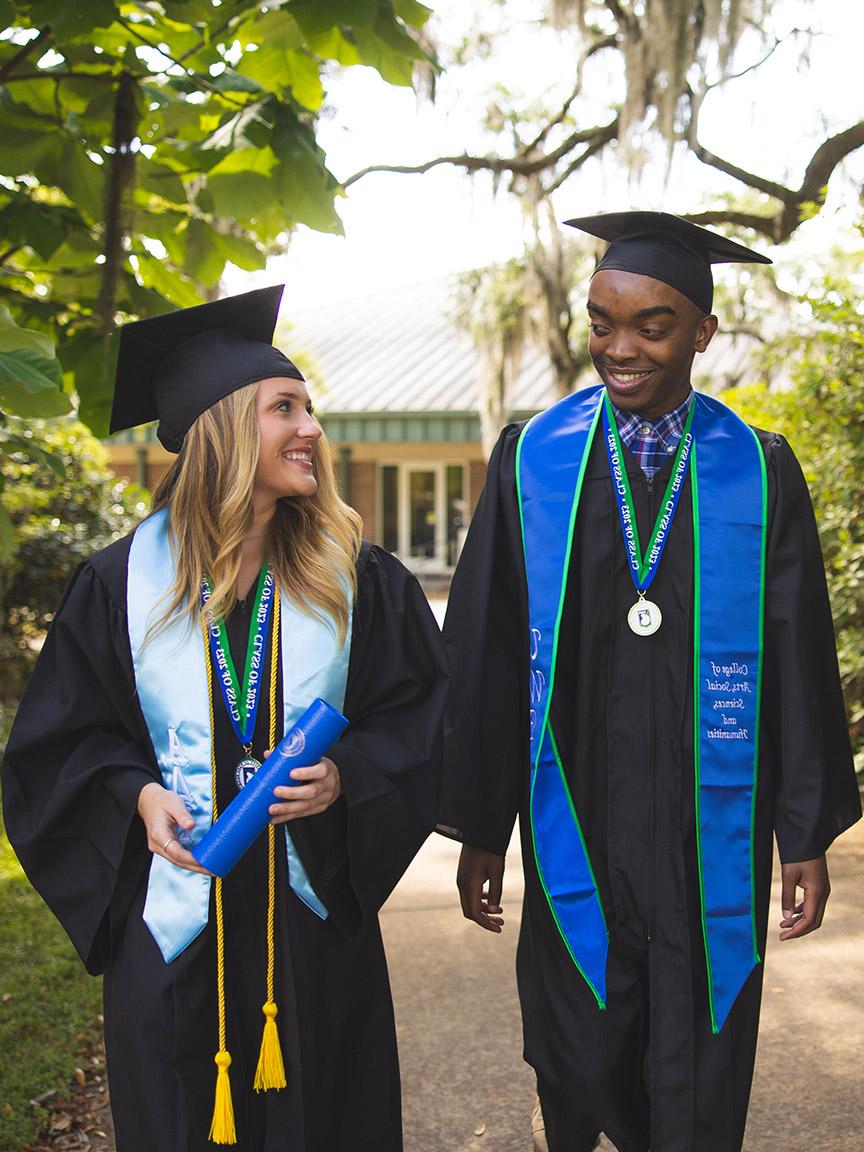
x=812, y=877
x=479, y=903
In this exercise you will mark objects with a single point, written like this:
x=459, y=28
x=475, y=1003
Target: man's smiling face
x=644, y=335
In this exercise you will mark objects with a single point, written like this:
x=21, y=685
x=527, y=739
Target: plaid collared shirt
x=652, y=442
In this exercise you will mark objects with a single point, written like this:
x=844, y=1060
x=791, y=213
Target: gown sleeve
x=486, y=637
x=816, y=795
x=389, y=756
x=74, y=766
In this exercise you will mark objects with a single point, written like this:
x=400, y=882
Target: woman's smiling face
x=289, y=434
x=644, y=336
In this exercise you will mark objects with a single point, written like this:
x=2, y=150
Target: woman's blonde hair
x=313, y=541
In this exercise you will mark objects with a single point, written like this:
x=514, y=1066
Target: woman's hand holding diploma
x=165, y=818
x=317, y=787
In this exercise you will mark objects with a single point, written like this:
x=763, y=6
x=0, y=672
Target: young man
x=644, y=667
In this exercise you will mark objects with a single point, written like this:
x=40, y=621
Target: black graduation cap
x=171, y=368
x=676, y=251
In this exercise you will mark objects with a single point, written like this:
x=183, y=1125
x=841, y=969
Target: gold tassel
x=222, y=1127
x=222, y=1130
x=270, y=1072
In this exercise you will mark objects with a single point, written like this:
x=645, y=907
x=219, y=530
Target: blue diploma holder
x=247, y=815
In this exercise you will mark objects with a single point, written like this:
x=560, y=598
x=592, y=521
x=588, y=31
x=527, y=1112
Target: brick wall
x=478, y=479
x=363, y=495
x=128, y=470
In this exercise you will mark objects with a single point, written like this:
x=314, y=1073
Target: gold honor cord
x=222, y=1129
x=270, y=1072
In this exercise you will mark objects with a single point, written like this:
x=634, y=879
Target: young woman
x=179, y=656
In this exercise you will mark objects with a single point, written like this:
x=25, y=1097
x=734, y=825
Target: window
x=424, y=513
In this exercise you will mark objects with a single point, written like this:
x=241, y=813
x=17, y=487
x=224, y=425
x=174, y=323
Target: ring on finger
x=170, y=840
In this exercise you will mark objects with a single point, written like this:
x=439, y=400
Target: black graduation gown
x=78, y=755
x=622, y=716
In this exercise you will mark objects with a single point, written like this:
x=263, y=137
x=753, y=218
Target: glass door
x=423, y=513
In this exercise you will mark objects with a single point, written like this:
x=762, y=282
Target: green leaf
x=308, y=190
x=280, y=60
x=172, y=285
x=241, y=196
x=411, y=12
x=144, y=301
x=316, y=18
x=245, y=130
x=305, y=80
x=21, y=151
x=30, y=384
x=82, y=181
x=162, y=226
x=40, y=226
x=159, y=180
x=231, y=81
x=91, y=362
x=258, y=160
x=7, y=13
x=34, y=451
x=70, y=20
x=204, y=259
x=189, y=11
x=37, y=96
x=390, y=50
x=78, y=250
x=7, y=535
x=179, y=119
x=274, y=27
x=241, y=252
x=392, y=67
x=77, y=93
x=12, y=337
x=82, y=287
x=334, y=45
x=240, y=184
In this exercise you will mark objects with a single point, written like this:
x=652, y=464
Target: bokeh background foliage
x=147, y=145
x=821, y=411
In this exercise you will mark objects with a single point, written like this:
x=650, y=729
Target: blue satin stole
x=729, y=500
x=171, y=679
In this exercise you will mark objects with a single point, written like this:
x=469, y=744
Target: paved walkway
x=465, y=1086
x=467, y=1090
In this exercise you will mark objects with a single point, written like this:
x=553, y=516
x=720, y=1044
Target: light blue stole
x=729, y=501
x=171, y=679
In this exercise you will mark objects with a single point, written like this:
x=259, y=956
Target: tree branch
x=750, y=67
x=740, y=330
x=25, y=51
x=624, y=19
x=193, y=76
x=597, y=46
x=826, y=158
x=120, y=179
x=769, y=187
x=762, y=224
x=516, y=165
x=782, y=224
x=593, y=148
x=108, y=78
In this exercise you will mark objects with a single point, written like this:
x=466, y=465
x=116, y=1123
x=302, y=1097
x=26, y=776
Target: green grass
x=48, y=1003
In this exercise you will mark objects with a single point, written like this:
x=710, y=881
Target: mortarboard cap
x=667, y=248
x=171, y=368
